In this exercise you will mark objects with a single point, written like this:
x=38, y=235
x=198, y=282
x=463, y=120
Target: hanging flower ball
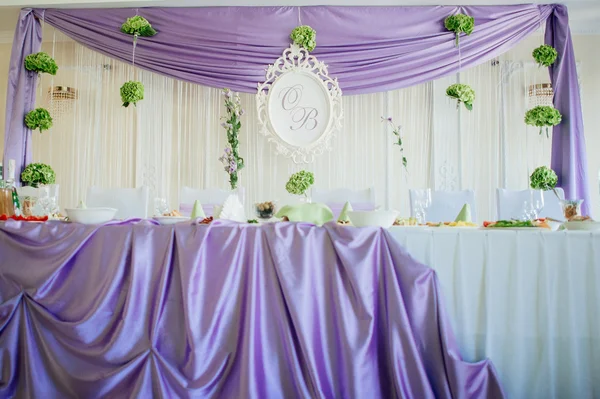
x=131, y=93
x=545, y=55
x=304, y=36
x=460, y=23
x=38, y=118
x=138, y=26
x=543, y=116
x=543, y=178
x=41, y=63
x=463, y=93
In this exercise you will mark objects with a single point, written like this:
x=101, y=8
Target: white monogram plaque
x=299, y=105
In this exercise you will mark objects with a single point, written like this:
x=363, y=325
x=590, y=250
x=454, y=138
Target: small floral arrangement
x=396, y=131
x=463, y=93
x=543, y=115
x=460, y=23
x=138, y=26
x=265, y=210
x=41, y=63
x=545, y=55
x=231, y=158
x=543, y=178
x=38, y=174
x=131, y=93
x=38, y=118
x=304, y=36
x=300, y=182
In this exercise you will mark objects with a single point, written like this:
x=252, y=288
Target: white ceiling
x=584, y=14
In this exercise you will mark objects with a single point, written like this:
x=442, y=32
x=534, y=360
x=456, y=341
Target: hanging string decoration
x=138, y=26
x=545, y=55
x=41, y=63
x=462, y=93
x=38, y=118
x=543, y=116
x=133, y=91
x=458, y=24
x=304, y=36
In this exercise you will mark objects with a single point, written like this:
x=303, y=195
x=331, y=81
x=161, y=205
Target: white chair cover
x=209, y=198
x=361, y=200
x=510, y=203
x=445, y=205
x=129, y=202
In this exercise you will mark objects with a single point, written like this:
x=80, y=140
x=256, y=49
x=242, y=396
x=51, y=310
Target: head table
x=228, y=310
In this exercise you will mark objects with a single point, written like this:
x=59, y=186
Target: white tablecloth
x=528, y=300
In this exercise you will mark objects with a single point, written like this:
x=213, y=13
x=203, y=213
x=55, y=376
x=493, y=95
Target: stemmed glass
x=422, y=202
x=160, y=206
x=533, y=206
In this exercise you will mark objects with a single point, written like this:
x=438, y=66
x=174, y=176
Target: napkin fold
x=317, y=214
x=233, y=209
x=197, y=211
x=344, y=213
x=465, y=214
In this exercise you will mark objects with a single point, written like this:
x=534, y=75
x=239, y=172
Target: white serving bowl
x=91, y=215
x=383, y=219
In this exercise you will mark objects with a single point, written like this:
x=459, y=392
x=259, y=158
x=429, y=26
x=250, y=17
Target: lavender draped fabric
x=369, y=49
x=569, y=158
x=224, y=311
x=20, y=97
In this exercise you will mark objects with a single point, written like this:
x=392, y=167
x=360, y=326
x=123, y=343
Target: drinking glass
x=160, y=206
x=537, y=203
x=422, y=203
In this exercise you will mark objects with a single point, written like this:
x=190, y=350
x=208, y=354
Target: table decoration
x=197, y=211
x=458, y=24
x=517, y=224
x=543, y=116
x=41, y=63
x=571, y=209
x=383, y=219
x=38, y=174
x=38, y=118
x=305, y=37
x=299, y=183
x=465, y=214
x=233, y=209
x=396, y=132
x=252, y=221
x=265, y=210
x=545, y=55
x=231, y=159
x=343, y=218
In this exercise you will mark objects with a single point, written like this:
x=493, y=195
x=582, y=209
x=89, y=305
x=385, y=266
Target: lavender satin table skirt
x=228, y=310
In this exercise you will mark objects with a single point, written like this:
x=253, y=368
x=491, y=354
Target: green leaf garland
x=545, y=55
x=38, y=118
x=37, y=174
x=131, y=93
x=460, y=23
x=463, y=93
x=138, y=26
x=41, y=63
x=543, y=116
x=304, y=36
x=300, y=182
x=543, y=178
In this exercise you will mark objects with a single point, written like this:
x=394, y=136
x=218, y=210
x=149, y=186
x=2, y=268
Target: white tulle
x=173, y=137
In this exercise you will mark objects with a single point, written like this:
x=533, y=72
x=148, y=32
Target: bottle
x=2, y=184
x=10, y=184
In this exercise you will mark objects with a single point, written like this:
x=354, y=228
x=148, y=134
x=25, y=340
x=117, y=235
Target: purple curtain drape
x=226, y=311
x=369, y=49
x=21, y=92
x=569, y=158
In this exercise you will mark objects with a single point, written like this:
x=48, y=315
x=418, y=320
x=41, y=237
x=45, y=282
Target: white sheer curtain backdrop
x=173, y=137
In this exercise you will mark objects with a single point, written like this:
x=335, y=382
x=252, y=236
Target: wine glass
x=160, y=206
x=537, y=203
x=422, y=202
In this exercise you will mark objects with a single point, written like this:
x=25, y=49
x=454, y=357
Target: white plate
x=171, y=219
x=515, y=228
x=585, y=225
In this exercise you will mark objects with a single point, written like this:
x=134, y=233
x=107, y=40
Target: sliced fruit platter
x=518, y=224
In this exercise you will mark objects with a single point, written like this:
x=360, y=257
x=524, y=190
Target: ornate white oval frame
x=299, y=105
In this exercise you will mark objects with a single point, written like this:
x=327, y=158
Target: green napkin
x=311, y=213
x=197, y=211
x=344, y=214
x=464, y=215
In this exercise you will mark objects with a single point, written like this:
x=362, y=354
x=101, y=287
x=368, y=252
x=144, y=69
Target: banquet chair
x=130, y=202
x=510, y=203
x=445, y=205
x=209, y=198
x=361, y=200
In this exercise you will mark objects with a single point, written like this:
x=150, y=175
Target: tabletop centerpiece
x=299, y=183
x=37, y=177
